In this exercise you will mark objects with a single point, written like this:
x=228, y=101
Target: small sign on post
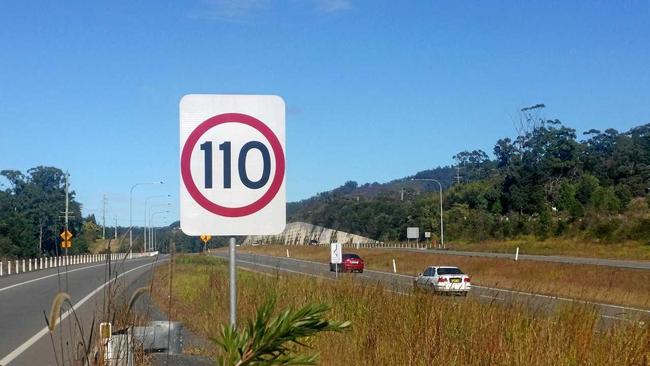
x=412, y=232
x=205, y=239
x=66, y=241
x=336, y=256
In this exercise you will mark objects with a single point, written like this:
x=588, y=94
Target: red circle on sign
x=193, y=190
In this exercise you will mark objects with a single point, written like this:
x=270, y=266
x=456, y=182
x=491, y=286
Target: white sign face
x=336, y=253
x=232, y=162
x=412, y=232
x=427, y=234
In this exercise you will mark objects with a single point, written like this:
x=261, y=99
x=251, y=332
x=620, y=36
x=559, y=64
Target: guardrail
x=412, y=245
x=16, y=266
x=395, y=245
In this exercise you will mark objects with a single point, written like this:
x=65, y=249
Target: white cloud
x=229, y=9
x=243, y=10
x=332, y=6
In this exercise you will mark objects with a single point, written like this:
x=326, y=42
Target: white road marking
x=23, y=347
x=618, y=318
x=565, y=299
x=491, y=297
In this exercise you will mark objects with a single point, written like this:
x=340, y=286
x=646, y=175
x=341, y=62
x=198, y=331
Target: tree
x=31, y=215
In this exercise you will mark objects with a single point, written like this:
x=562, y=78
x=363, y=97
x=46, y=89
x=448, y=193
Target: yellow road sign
x=206, y=238
x=66, y=244
x=66, y=235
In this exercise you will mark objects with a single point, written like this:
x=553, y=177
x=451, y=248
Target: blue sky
x=375, y=90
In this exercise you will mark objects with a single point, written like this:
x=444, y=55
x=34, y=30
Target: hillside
x=546, y=183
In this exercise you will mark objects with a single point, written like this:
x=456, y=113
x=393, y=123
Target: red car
x=351, y=263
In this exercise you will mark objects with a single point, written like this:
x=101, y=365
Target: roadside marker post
x=232, y=169
x=517, y=254
x=394, y=266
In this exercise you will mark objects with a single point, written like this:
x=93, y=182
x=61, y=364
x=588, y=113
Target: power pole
x=67, y=206
x=104, y=217
x=115, y=228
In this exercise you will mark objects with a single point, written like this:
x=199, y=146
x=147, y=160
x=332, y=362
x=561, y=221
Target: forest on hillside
x=548, y=181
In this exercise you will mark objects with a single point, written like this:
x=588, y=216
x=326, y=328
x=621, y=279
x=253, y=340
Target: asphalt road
x=404, y=284
x=541, y=258
x=24, y=298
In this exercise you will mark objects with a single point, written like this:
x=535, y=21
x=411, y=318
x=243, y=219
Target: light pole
x=131, y=213
x=442, y=227
x=146, y=201
x=148, y=223
x=151, y=218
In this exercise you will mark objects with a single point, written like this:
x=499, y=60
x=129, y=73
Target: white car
x=443, y=279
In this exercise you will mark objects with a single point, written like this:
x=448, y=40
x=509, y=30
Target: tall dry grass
x=577, y=247
x=416, y=329
x=586, y=282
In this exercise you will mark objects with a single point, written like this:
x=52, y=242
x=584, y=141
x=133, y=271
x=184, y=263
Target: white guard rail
x=17, y=266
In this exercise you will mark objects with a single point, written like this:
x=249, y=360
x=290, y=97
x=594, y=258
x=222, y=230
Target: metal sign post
x=233, y=283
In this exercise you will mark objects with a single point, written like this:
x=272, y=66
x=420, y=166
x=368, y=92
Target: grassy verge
x=594, y=283
x=100, y=245
x=559, y=246
x=395, y=329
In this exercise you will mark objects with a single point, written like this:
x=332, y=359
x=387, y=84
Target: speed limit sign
x=232, y=164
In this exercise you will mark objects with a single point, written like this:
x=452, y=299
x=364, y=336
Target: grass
x=100, y=245
x=414, y=329
x=594, y=283
x=574, y=247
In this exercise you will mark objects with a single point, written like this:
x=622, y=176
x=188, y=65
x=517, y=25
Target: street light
x=150, y=219
x=131, y=213
x=155, y=239
x=442, y=228
x=146, y=201
x=148, y=223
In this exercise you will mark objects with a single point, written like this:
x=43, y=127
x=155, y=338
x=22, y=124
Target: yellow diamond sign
x=66, y=235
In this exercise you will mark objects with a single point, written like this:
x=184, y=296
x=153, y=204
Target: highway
x=404, y=284
x=25, y=297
